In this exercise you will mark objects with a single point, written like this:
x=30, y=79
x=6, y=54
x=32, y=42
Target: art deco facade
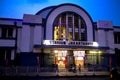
x=63, y=35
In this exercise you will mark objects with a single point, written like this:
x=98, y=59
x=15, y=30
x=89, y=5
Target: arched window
x=69, y=26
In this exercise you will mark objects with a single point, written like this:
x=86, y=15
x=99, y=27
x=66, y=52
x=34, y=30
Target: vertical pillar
x=66, y=62
x=73, y=27
x=110, y=63
x=54, y=59
x=70, y=57
x=0, y=32
x=66, y=26
x=79, y=24
x=38, y=61
x=60, y=24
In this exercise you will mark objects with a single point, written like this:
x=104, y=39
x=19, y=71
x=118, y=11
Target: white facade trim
x=66, y=8
x=7, y=43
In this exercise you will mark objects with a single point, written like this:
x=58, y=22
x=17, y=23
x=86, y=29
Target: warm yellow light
x=63, y=58
x=95, y=51
x=55, y=51
x=61, y=63
x=58, y=58
x=99, y=51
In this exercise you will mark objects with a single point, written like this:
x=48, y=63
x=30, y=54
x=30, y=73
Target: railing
x=50, y=71
x=72, y=43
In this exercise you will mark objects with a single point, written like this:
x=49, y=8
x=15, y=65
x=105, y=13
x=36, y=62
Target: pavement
x=100, y=73
x=62, y=74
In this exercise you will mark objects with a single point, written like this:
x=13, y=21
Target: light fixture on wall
x=95, y=44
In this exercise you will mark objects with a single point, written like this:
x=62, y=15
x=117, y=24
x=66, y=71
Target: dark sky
x=97, y=9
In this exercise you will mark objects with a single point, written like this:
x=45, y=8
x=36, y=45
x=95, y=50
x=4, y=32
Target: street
x=56, y=78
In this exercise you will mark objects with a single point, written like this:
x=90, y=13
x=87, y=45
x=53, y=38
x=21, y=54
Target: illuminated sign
x=71, y=43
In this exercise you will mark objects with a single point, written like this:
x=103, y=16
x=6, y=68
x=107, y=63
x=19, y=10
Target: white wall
x=101, y=35
x=105, y=36
x=7, y=22
x=38, y=35
x=7, y=43
x=110, y=41
x=25, y=41
x=30, y=35
x=19, y=39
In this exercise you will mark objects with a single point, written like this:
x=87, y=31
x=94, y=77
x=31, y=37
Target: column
x=60, y=24
x=73, y=27
x=66, y=26
x=79, y=29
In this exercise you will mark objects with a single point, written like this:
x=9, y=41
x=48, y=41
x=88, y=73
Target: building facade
x=62, y=35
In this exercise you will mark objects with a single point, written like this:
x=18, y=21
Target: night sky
x=97, y=9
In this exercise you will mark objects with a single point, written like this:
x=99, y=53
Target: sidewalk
x=46, y=73
x=73, y=74
x=52, y=74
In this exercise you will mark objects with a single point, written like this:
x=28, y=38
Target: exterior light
x=55, y=51
x=64, y=53
x=46, y=42
x=79, y=58
x=93, y=52
x=95, y=44
x=58, y=58
x=99, y=51
x=63, y=58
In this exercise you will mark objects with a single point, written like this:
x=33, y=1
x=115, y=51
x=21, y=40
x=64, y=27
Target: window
x=117, y=37
x=4, y=32
x=7, y=33
x=69, y=26
x=5, y=57
x=10, y=32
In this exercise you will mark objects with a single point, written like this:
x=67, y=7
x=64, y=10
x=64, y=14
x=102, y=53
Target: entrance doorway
x=60, y=58
x=60, y=61
x=79, y=61
x=79, y=58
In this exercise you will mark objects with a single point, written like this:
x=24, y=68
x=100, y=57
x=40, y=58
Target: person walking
x=56, y=69
x=79, y=68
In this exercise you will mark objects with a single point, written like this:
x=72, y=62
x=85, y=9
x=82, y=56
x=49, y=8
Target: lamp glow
x=56, y=51
x=46, y=42
x=95, y=44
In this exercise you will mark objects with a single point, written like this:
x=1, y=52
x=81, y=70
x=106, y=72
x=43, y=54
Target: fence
x=32, y=71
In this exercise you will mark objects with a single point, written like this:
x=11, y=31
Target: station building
x=64, y=35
